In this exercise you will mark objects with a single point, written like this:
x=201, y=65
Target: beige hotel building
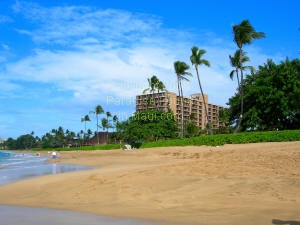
x=193, y=105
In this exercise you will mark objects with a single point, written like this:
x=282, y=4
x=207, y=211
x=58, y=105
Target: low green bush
x=221, y=139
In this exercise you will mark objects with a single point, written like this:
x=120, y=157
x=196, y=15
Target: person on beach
x=53, y=155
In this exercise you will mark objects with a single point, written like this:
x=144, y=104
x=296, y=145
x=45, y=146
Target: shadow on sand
x=285, y=222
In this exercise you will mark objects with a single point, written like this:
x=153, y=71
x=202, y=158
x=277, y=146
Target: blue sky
x=59, y=59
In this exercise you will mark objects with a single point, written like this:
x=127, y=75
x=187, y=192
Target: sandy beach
x=232, y=184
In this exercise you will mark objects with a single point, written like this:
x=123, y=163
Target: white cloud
x=65, y=25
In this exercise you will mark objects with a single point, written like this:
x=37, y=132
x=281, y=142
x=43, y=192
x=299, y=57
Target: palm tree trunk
x=179, y=92
x=237, y=129
x=97, y=129
x=84, y=131
x=205, y=108
x=182, y=111
x=241, y=90
x=107, y=131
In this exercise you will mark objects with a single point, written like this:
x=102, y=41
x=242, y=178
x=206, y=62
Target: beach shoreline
x=244, y=184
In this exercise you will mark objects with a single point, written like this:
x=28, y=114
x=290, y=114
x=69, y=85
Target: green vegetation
x=271, y=99
x=148, y=125
x=243, y=33
x=221, y=139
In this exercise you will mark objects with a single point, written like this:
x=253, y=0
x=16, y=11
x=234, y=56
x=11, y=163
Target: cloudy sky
x=59, y=59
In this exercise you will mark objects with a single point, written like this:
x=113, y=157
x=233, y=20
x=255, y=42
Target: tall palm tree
x=196, y=60
x=244, y=33
x=181, y=73
x=85, y=119
x=98, y=110
x=115, y=120
x=108, y=114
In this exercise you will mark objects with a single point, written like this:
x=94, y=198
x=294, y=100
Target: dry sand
x=231, y=184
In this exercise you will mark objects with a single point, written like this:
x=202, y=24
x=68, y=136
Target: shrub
x=221, y=139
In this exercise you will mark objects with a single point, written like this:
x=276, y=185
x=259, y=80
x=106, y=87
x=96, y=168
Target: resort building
x=193, y=107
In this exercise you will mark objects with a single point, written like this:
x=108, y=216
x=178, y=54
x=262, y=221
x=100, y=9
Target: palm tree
x=104, y=123
x=98, y=110
x=237, y=61
x=152, y=82
x=196, y=60
x=85, y=119
x=244, y=33
x=89, y=133
x=181, y=73
x=115, y=120
x=108, y=114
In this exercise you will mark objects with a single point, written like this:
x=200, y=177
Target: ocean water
x=16, y=166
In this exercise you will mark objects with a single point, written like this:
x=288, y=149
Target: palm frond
x=232, y=74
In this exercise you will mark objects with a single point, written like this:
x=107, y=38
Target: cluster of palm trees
x=106, y=122
x=181, y=70
x=244, y=33
x=61, y=138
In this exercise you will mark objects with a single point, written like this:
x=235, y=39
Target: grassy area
x=221, y=139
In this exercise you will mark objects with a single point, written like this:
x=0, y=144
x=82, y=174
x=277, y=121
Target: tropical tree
x=272, y=96
x=152, y=82
x=154, y=85
x=85, y=119
x=181, y=73
x=148, y=125
x=108, y=114
x=108, y=125
x=104, y=125
x=196, y=60
x=244, y=33
x=115, y=120
x=89, y=133
x=98, y=110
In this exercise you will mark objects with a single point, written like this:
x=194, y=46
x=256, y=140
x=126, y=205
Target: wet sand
x=17, y=215
x=232, y=184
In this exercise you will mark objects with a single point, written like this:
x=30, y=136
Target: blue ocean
x=16, y=166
